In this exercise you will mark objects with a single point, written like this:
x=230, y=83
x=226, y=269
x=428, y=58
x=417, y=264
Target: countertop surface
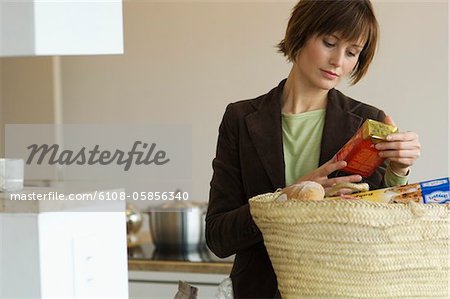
x=145, y=257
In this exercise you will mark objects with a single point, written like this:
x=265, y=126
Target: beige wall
x=2, y=141
x=26, y=91
x=409, y=78
x=184, y=61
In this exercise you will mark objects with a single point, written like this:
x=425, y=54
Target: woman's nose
x=337, y=58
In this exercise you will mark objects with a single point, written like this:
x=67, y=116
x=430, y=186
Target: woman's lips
x=329, y=75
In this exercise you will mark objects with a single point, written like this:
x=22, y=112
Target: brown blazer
x=249, y=161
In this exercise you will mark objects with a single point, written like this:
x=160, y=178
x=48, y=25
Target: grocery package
x=432, y=191
x=359, y=152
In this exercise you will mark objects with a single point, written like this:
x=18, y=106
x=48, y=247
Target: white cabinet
x=164, y=285
x=63, y=27
x=62, y=254
x=151, y=290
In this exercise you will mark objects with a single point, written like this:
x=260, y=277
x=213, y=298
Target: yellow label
x=397, y=194
x=377, y=131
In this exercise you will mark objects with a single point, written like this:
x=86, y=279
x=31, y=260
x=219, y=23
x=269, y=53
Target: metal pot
x=134, y=223
x=134, y=219
x=178, y=226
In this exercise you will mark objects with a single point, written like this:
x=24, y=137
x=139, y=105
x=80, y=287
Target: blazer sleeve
x=229, y=225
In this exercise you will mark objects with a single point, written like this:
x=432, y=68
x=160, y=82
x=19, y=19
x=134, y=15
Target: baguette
x=306, y=191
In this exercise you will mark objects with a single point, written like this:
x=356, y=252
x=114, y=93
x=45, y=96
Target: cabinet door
x=152, y=290
x=158, y=290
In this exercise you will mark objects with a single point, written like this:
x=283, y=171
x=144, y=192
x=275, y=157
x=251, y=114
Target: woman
x=292, y=133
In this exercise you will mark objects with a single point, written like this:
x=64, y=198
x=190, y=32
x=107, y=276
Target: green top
x=302, y=134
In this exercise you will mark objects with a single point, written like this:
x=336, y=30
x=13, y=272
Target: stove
x=149, y=252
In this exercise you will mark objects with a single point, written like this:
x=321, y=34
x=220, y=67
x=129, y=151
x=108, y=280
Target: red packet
x=360, y=153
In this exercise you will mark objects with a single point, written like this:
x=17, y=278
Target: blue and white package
x=436, y=191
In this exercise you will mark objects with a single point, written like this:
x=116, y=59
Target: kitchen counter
x=180, y=266
x=145, y=257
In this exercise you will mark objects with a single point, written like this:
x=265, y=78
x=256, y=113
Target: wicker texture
x=356, y=249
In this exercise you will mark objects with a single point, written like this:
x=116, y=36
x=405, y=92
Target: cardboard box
x=359, y=152
x=433, y=191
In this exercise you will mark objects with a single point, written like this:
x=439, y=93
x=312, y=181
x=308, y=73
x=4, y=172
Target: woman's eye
x=328, y=44
x=353, y=53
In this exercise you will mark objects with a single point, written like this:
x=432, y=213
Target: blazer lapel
x=340, y=125
x=264, y=128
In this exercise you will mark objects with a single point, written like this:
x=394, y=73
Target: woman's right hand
x=320, y=175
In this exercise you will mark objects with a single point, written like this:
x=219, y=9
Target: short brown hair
x=352, y=19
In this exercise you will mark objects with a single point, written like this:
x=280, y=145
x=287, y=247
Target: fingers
x=409, y=153
x=354, y=178
x=320, y=175
x=406, y=145
x=331, y=167
x=404, y=136
x=402, y=153
x=406, y=140
x=334, y=159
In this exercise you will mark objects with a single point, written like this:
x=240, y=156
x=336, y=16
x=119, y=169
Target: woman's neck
x=300, y=97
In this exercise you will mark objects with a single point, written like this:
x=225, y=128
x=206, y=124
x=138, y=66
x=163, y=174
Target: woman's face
x=325, y=60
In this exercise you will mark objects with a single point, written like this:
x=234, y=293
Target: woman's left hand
x=401, y=149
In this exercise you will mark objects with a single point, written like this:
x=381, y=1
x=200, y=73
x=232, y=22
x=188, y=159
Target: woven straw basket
x=356, y=249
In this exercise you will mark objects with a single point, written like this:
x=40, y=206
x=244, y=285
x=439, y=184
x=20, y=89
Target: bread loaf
x=307, y=190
